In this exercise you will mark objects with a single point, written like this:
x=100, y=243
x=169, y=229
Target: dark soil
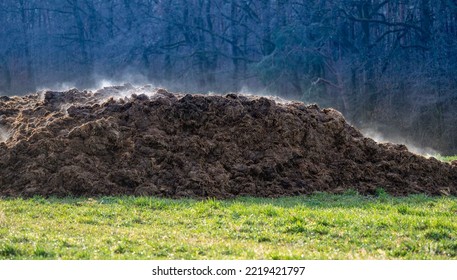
x=172, y=145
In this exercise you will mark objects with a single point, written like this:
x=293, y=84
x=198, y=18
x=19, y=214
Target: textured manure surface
x=143, y=141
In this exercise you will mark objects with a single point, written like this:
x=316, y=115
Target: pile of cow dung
x=144, y=141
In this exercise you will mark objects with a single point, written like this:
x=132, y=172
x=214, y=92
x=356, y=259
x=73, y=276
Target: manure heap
x=144, y=141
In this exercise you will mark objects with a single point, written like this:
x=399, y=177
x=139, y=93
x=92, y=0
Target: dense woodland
x=387, y=65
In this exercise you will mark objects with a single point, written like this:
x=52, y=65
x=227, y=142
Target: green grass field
x=445, y=158
x=321, y=226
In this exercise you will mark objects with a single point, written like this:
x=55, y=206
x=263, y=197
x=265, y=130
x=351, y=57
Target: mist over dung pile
x=4, y=135
x=128, y=140
x=381, y=138
x=396, y=67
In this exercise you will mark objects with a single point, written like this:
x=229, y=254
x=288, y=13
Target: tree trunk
x=30, y=79
x=86, y=62
x=267, y=45
x=212, y=56
x=234, y=42
x=426, y=22
x=6, y=86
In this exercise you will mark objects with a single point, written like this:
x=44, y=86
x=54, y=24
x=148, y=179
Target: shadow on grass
x=348, y=200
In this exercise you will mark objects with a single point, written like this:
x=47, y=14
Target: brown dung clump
x=156, y=143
